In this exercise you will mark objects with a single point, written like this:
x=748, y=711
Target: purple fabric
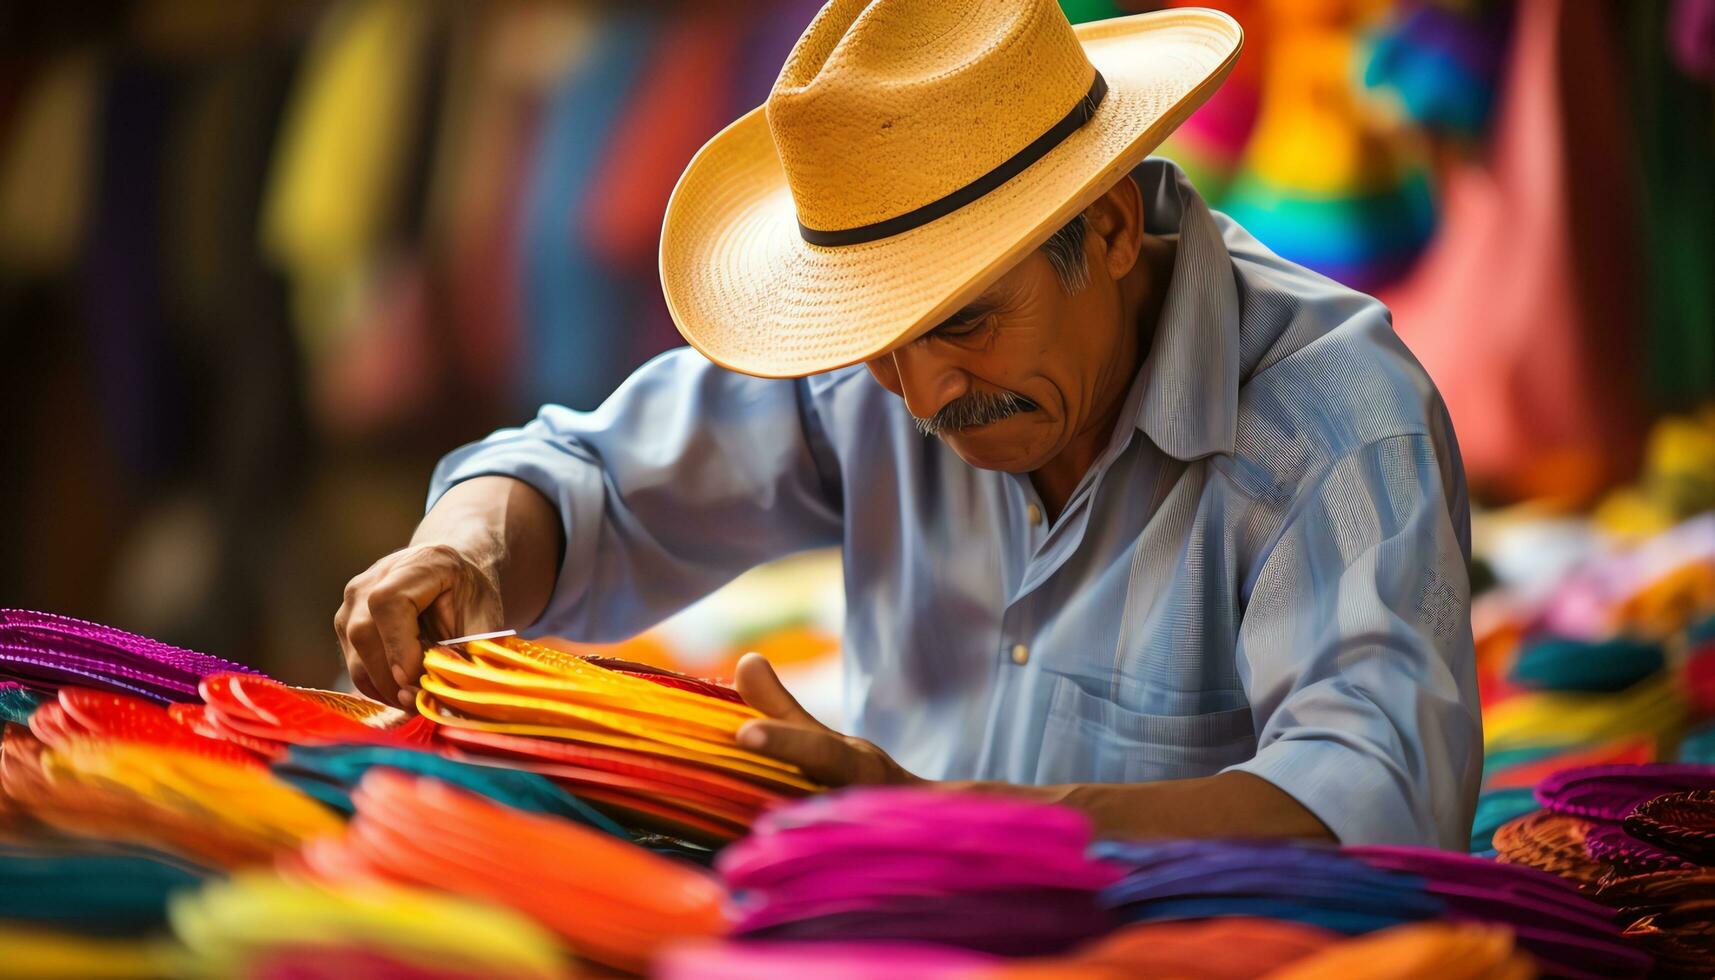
x=43, y=650
x=1613, y=845
x=1693, y=37
x=1027, y=923
x=1609, y=793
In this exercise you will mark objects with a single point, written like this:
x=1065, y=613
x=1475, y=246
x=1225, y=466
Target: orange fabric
x=1236, y=948
x=1442, y=950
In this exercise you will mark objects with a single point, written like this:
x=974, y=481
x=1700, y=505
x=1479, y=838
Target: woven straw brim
x=753, y=296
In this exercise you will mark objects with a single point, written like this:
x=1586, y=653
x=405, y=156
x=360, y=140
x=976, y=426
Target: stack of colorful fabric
x=654, y=748
x=979, y=872
x=268, y=717
x=266, y=925
x=612, y=902
x=1637, y=838
x=43, y=652
x=1360, y=890
x=216, y=812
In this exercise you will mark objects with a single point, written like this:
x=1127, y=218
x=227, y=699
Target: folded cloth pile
x=612, y=902
x=88, y=887
x=1226, y=948
x=80, y=715
x=1670, y=913
x=657, y=750
x=44, y=652
x=1363, y=889
x=1633, y=838
x=267, y=716
x=214, y=812
x=981, y=872
x=1443, y=950
x=1581, y=833
x=47, y=954
x=853, y=960
x=1309, y=884
x=331, y=773
x=267, y=925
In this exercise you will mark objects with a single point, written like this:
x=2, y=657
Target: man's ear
x=1116, y=224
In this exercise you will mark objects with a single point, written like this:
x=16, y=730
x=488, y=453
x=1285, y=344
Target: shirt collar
x=1190, y=401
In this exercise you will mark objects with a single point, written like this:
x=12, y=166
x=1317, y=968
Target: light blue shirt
x=1266, y=570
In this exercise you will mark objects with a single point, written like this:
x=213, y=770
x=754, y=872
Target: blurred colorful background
x=261, y=263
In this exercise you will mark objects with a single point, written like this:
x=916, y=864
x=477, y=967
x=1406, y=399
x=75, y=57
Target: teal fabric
x=1699, y=746
x=342, y=766
x=1507, y=758
x=1496, y=808
x=1701, y=632
x=114, y=893
x=16, y=703
x=1557, y=664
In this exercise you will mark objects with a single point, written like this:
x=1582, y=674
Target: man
x=1135, y=515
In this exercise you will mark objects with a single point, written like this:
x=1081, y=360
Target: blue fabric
x=1265, y=571
x=576, y=343
x=1699, y=746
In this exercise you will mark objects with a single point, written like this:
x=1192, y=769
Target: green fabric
x=1079, y=11
x=1674, y=123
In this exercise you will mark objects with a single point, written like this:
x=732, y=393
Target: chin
x=989, y=449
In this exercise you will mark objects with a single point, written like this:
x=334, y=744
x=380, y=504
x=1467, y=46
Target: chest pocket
x=1089, y=739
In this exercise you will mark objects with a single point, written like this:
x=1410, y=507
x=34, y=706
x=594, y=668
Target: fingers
x=761, y=689
x=824, y=755
x=365, y=654
x=396, y=606
x=386, y=609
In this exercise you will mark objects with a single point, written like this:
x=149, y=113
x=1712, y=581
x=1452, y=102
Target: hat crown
x=885, y=106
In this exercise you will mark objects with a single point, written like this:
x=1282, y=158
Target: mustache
x=979, y=408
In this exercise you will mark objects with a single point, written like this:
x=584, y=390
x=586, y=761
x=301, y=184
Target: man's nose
x=928, y=382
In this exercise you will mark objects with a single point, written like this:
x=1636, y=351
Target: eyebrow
x=974, y=310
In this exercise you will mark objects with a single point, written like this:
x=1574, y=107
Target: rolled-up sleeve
x=686, y=476
x=1355, y=647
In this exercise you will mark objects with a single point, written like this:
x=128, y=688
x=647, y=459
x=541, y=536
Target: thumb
x=452, y=616
x=762, y=690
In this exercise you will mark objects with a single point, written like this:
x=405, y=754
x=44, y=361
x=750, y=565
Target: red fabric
x=682, y=102
x=1628, y=752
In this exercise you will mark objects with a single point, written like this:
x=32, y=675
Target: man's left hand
x=791, y=734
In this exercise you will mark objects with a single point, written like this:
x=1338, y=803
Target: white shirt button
x=1033, y=514
x=1020, y=654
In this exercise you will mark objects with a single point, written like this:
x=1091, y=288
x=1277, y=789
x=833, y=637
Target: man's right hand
x=484, y=558
x=381, y=623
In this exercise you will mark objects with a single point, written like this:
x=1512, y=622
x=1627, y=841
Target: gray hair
x=1065, y=251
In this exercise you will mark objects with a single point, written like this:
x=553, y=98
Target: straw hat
x=910, y=153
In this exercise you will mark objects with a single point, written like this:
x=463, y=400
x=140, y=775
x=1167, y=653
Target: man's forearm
x=508, y=527
x=1233, y=804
